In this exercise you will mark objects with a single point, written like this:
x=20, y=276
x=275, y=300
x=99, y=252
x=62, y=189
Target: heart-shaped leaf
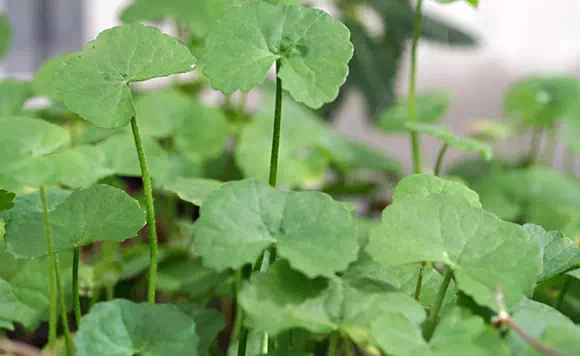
x=559, y=253
x=239, y=221
x=193, y=190
x=95, y=83
x=291, y=300
x=313, y=49
x=446, y=229
x=425, y=184
x=5, y=34
x=13, y=95
x=24, y=139
x=6, y=200
x=43, y=83
x=445, y=134
x=98, y=213
x=138, y=329
x=431, y=107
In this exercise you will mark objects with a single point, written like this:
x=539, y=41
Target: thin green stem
x=348, y=347
x=562, y=294
x=75, y=282
x=432, y=322
x=52, y=314
x=415, y=142
x=55, y=287
x=534, y=145
x=63, y=315
x=419, y=282
x=148, y=190
x=439, y=162
x=238, y=323
x=110, y=292
x=333, y=344
x=276, y=133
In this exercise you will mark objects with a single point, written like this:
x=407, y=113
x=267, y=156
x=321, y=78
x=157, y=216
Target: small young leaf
x=291, y=300
x=5, y=34
x=431, y=107
x=445, y=134
x=43, y=83
x=95, y=83
x=138, y=329
x=193, y=190
x=204, y=134
x=425, y=184
x=6, y=200
x=313, y=48
x=239, y=221
x=24, y=139
x=559, y=253
x=446, y=229
x=98, y=213
x=13, y=95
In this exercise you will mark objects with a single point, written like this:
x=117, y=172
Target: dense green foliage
x=237, y=224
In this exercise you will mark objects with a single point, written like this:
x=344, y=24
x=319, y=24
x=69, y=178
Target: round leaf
x=446, y=229
x=13, y=95
x=431, y=107
x=95, y=83
x=238, y=222
x=193, y=190
x=445, y=134
x=98, y=213
x=425, y=184
x=43, y=83
x=138, y=329
x=162, y=113
x=313, y=49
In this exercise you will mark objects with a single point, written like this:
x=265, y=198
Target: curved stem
x=333, y=344
x=52, y=314
x=55, y=287
x=419, y=282
x=277, y=128
x=439, y=162
x=415, y=143
x=562, y=294
x=148, y=190
x=75, y=281
x=432, y=322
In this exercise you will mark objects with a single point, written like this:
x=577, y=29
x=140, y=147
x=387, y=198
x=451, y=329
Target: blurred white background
x=517, y=38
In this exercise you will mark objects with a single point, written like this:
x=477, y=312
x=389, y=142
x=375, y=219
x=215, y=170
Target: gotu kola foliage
x=303, y=273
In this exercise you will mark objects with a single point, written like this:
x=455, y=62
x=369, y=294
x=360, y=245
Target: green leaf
x=540, y=101
x=204, y=134
x=459, y=333
x=28, y=282
x=162, y=113
x=445, y=134
x=13, y=95
x=424, y=185
x=534, y=318
x=291, y=300
x=208, y=324
x=138, y=329
x=438, y=31
x=6, y=200
x=559, y=337
x=122, y=159
x=559, y=253
x=403, y=278
x=8, y=306
x=95, y=83
x=239, y=221
x=313, y=49
x=98, y=213
x=475, y=3
x=24, y=139
x=446, y=229
x=431, y=107
x=193, y=190
x=5, y=34
x=43, y=83
x=31, y=203
x=299, y=160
